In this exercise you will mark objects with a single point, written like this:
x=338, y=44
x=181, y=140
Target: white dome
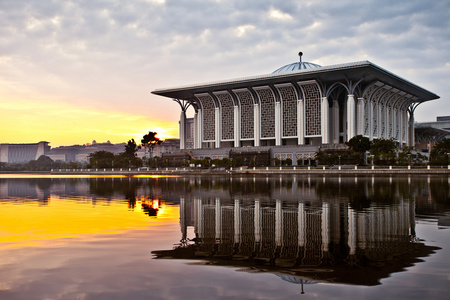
x=297, y=66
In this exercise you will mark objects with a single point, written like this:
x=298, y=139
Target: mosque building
x=298, y=109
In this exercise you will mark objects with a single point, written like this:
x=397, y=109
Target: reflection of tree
x=130, y=195
x=151, y=207
x=364, y=190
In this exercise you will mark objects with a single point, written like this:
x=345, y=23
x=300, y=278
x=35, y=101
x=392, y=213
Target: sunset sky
x=76, y=71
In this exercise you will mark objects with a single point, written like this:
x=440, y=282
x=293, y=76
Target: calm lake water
x=194, y=237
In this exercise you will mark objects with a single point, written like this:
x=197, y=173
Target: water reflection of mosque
x=311, y=238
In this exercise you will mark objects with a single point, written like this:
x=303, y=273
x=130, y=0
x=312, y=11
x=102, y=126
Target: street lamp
x=339, y=160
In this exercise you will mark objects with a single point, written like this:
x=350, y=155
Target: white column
x=237, y=126
x=325, y=116
x=183, y=130
x=218, y=127
x=344, y=121
x=406, y=126
x=370, y=103
x=300, y=122
x=256, y=119
x=199, y=129
x=400, y=126
x=195, y=146
x=411, y=141
x=360, y=117
x=335, y=122
x=351, y=122
x=386, y=121
x=394, y=121
x=278, y=124
x=379, y=120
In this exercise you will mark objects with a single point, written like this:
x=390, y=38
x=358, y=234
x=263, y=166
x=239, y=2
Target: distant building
x=427, y=134
x=21, y=153
x=442, y=122
x=80, y=153
x=166, y=147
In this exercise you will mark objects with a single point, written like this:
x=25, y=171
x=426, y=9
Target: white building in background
x=299, y=105
x=166, y=147
x=21, y=153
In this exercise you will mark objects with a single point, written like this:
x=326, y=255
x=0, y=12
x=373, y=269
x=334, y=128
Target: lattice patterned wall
x=400, y=112
x=375, y=99
x=389, y=121
x=383, y=108
x=397, y=123
x=366, y=126
x=306, y=155
x=227, y=105
x=367, y=96
x=391, y=116
x=289, y=107
x=209, y=125
x=405, y=120
x=313, y=108
x=267, y=112
x=284, y=156
x=247, y=114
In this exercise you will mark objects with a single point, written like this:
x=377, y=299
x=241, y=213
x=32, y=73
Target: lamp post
x=339, y=160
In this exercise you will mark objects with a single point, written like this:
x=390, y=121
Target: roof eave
x=424, y=94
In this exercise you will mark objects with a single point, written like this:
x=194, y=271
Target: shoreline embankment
x=350, y=170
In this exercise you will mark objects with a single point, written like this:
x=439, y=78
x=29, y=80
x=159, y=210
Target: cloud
x=279, y=15
x=113, y=53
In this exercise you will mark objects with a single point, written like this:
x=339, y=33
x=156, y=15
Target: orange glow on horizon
x=64, y=124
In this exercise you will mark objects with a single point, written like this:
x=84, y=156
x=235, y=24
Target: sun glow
x=25, y=121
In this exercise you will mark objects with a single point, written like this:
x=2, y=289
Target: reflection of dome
x=294, y=279
x=297, y=66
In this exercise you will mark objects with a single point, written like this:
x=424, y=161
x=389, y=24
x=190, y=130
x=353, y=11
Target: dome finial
x=300, y=54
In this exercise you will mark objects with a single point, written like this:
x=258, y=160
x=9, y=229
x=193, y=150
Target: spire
x=300, y=54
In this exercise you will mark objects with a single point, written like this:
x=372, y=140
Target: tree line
x=362, y=151
x=99, y=159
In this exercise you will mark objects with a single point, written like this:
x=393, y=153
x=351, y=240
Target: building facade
x=427, y=134
x=300, y=104
x=21, y=153
x=166, y=147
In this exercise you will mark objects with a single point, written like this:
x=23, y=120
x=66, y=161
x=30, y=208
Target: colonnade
x=298, y=113
x=310, y=227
